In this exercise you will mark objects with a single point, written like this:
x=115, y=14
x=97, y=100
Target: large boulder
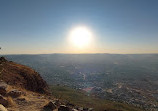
x=2, y=59
x=15, y=93
x=3, y=88
x=63, y=108
x=49, y=107
x=2, y=108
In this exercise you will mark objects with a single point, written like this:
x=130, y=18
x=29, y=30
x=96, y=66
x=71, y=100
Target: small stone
x=80, y=108
x=2, y=108
x=70, y=105
x=21, y=99
x=74, y=110
x=85, y=109
x=57, y=102
x=90, y=109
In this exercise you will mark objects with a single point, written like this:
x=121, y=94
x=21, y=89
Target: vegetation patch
x=80, y=98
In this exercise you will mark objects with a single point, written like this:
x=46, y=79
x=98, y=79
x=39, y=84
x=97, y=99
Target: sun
x=80, y=37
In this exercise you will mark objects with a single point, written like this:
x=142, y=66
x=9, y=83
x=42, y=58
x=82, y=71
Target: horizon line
x=83, y=53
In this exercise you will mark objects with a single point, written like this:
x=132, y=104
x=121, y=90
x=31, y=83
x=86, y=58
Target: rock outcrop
x=21, y=76
x=14, y=93
x=49, y=107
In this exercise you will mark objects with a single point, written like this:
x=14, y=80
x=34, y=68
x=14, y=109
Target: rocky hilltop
x=21, y=76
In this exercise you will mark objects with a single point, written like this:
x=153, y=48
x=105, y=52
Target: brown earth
x=21, y=76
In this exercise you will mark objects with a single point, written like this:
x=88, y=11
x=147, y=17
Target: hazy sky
x=43, y=26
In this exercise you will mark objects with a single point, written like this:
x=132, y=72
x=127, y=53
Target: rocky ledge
x=21, y=76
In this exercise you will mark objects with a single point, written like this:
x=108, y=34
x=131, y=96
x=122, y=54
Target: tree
x=0, y=48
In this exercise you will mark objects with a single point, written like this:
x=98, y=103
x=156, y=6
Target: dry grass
x=81, y=99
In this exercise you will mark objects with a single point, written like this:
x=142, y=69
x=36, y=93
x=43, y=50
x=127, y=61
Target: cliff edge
x=21, y=76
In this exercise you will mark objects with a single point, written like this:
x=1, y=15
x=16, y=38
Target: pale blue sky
x=42, y=26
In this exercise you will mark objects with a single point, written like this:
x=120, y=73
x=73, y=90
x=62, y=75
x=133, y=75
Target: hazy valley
x=130, y=78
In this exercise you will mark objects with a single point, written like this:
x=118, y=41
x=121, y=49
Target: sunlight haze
x=107, y=26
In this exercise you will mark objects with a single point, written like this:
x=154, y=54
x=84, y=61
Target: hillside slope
x=21, y=76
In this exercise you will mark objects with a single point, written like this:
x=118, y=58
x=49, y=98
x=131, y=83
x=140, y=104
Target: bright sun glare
x=80, y=37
